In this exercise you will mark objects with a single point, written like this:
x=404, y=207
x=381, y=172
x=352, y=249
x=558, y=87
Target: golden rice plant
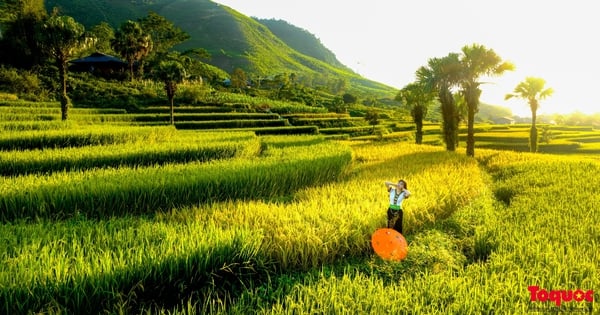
x=323, y=223
x=91, y=135
x=123, y=191
x=182, y=148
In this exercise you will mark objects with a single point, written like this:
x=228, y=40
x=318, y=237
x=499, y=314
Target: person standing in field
x=398, y=192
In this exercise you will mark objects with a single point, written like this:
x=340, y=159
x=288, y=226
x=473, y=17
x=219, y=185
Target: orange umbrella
x=389, y=244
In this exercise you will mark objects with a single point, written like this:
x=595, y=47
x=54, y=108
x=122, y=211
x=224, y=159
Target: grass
x=283, y=226
x=116, y=192
x=78, y=137
x=183, y=148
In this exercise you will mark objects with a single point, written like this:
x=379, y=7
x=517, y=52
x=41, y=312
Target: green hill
x=301, y=40
x=233, y=39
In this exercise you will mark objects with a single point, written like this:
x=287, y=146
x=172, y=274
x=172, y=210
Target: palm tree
x=417, y=99
x=533, y=90
x=170, y=73
x=477, y=61
x=132, y=43
x=63, y=38
x=440, y=75
x=461, y=111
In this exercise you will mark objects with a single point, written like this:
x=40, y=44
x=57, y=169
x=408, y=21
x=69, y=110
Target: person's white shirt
x=401, y=196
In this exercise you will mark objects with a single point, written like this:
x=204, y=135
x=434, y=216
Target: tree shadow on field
x=118, y=195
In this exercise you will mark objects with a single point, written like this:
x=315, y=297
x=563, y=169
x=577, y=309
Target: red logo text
x=559, y=296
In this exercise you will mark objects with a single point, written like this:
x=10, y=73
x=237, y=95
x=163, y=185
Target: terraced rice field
x=102, y=218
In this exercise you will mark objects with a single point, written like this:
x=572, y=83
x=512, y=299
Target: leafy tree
x=293, y=77
x=338, y=106
x=20, y=22
x=282, y=80
x=163, y=32
x=337, y=85
x=288, y=87
x=372, y=117
x=349, y=98
x=104, y=34
x=192, y=60
x=239, y=79
x=63, y=38
x=477, y=61
x=370, y=101
x=533, y=90
x=171, y=73
x=5, y=13
x=132, y=43
x=559, y=119
x=417, y=99
x=440, y=75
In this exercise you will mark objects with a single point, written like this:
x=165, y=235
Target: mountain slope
x=233, y=39
x=301, y=40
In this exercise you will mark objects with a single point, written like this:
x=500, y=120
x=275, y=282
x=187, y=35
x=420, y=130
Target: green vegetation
x=265, y=234
x=112, y=212
x=99, y=135
x=301, y=40
x=234, y=40
x=533, y=90
x=143, y=151
x=249, y=70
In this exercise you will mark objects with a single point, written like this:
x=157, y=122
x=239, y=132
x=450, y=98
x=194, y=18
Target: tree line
x=454, y=82
x=40, y=42
x=33, y=39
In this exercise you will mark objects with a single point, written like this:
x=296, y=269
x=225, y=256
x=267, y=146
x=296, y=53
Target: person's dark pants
x=395, y=219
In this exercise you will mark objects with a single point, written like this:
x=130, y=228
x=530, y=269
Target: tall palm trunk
x=171, y=88
x=470, y=131
x=418, y=118
x=64, y=98
x=472, y=99
x=533, y=132
x=172, y=110
x=532, y=90
x=131, y=70
x=449, y=116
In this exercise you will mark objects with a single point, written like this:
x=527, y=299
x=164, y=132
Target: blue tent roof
x=98, y=58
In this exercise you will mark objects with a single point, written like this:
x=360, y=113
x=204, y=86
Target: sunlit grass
x=180, y=148
x=288, y=232
x=81, y=136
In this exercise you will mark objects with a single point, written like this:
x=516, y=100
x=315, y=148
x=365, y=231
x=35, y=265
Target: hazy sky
x=388, y=40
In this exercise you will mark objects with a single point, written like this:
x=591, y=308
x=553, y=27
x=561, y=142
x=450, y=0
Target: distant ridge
x=302, y=41
x=260, y=47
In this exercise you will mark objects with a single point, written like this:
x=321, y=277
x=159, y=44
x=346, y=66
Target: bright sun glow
x=388, y=40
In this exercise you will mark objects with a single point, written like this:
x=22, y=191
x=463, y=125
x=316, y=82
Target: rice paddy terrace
x=235, y=211
x=241, y=117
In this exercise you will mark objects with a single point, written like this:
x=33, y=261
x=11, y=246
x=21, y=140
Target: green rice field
x=102, y=218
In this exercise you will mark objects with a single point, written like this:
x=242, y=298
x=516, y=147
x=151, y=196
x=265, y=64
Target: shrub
x=88, y=91
x=8, y=97
x=24, y=84
x=192, y=94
